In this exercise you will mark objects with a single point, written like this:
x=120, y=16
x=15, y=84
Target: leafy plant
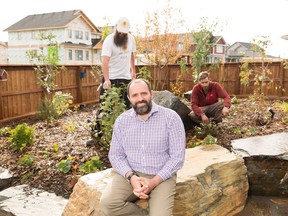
x=209, y=140
x=144, y=73
x=178, y=88
x=27, y=176
x=92, y=165
x=55, y=147
x=22, y=137
x=65, y=165
x=5, y=131
x=45, y=154
x=283, y=105
x=205, y=130
x=113, y=105
x=27, y=160
x=70, y=127
x=53, y=109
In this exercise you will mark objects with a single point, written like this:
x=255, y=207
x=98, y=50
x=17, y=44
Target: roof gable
x=50, y=20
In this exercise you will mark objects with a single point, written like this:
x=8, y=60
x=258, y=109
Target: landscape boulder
x=5, y=178
x=266, y=158
x=169, y=100
x=213, y=181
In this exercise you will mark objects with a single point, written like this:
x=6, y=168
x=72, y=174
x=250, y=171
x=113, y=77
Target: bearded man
x=118, y=60
x=147, y=150
x=118, y=67
x=205, y=103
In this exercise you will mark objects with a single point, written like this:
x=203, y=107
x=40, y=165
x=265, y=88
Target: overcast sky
x=245, y=19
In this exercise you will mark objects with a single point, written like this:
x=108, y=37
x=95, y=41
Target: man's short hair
x=203, y=75
x=138, y=81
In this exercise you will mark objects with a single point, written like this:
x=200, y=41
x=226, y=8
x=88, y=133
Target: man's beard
x=121, y=40
x=143, y=110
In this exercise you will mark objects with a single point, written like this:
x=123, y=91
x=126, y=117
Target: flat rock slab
x=266, y=158
x=272, y=145
x=23, y=200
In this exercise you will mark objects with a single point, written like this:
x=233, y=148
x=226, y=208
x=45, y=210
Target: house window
x=70, y=55
x=69, y=32
x=219, y=49
x=87, y=55
x=78, y=34
x=79, y=55
x=33, y=35
x=19, y=35
x=87, y=35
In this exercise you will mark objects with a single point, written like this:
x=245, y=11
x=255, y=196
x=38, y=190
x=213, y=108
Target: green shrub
x=65, y=165
x=5, y=131
x=51, y=110
x=92, y=165
x=206, y=129
x=22, y=137
x=111, y=108
x=27, y=160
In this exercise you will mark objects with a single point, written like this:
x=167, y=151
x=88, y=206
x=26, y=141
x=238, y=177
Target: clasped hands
x=142, y=186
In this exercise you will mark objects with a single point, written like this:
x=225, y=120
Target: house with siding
x=3, y=52
x=74, y=32
x=246, y=51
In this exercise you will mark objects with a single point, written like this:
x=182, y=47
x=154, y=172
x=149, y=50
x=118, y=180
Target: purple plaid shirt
x=155, y=146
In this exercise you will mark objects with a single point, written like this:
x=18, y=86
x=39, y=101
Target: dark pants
x=213, y=112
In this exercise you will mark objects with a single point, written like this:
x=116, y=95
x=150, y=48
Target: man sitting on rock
x=205, y=103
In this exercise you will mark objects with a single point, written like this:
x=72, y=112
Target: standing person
x=118, y=66
x=147, y=150
x=118, y=60
x=205, y=102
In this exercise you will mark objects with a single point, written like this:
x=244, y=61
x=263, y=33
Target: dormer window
x=69, y=32
x=79, y=35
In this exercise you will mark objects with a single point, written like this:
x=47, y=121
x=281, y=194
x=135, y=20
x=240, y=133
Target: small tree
x=45, y=61
x=260, y=75
x=203, y=40
x=159, y=43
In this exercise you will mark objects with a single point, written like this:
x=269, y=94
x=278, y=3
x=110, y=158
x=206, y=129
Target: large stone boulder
x=212, y=182
x=266, y=158
x=5, y=178
x=169, y=100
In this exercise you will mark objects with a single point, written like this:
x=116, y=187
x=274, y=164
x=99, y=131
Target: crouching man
x=205, y=102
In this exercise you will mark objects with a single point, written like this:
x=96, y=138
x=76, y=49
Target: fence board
x=20, y=95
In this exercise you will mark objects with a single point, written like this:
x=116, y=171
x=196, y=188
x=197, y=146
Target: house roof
x=245, y=44
x=50, y=21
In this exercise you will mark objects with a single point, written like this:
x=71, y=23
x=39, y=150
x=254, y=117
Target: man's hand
x=205, y=119
x=144, y=186
x=140, y=189
x=106, y=84
x=225, y=111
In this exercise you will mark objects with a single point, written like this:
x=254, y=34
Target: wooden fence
x=20, y=95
